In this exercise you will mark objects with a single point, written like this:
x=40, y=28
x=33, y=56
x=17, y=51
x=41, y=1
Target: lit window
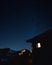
x=20, y=54
x=23, y=51
x=38, y=45
x=30, y=60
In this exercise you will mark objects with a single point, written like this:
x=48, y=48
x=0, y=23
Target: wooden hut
x=42, y=48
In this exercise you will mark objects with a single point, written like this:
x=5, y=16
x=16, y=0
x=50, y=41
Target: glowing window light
x=23, y=51
x=30, y=60
x=38, y=45
x=20, y=54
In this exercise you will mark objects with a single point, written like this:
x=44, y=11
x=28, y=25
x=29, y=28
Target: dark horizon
x=21, y=20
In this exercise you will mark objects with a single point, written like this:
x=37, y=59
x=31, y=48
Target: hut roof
x=45, y=36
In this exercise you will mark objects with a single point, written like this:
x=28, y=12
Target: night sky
x=21, y=20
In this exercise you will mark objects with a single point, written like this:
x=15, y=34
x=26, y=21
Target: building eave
x=45, y=36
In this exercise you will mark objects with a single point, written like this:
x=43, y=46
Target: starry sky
x=21, y=20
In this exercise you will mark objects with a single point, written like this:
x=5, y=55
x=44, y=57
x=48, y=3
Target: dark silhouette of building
x=11, y=57
x=42, y=48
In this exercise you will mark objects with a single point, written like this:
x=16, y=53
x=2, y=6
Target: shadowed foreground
x=10, y=57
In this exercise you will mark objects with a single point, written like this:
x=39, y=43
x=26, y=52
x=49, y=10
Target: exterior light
x=38, y=45
x=23, y=51
x=30, y=60
x=20, y=54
